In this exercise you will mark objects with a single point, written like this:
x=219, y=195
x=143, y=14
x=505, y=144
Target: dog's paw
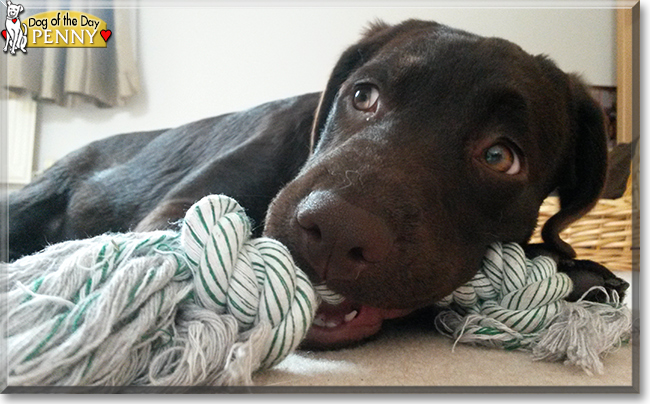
x=586, y=274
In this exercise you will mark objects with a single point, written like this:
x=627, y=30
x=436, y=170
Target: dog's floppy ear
x=375, y=37
x=585, y=169
x=356, y=55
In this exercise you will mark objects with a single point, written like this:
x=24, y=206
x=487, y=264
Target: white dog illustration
x=16, y=37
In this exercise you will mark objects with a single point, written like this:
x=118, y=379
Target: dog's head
x=14, y=9
x=429, y=144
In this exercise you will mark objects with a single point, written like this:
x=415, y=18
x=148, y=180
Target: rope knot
x=255, y=280
x=511, y=296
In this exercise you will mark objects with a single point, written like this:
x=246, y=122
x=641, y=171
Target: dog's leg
x=36, y=213
x=229, y=176
x=39, y=214
x=166, y=215
x=13, y=44
x=23, y=40
x=252, y=175
x=585, y=274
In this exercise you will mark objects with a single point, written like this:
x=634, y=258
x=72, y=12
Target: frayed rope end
x=584, y=332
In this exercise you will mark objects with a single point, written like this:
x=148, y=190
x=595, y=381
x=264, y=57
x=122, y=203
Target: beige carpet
x=414, y=354
x=426, y=359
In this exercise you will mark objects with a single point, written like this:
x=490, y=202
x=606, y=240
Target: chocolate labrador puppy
x=427, y=145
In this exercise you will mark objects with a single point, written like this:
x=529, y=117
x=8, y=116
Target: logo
x=53, y=29
x=15, y=32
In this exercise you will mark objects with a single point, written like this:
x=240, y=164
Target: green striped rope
x=208, y=304
x=518, y=303
x=254, y=280
x=508, y=302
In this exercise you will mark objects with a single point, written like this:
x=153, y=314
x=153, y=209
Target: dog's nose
x=340, y=240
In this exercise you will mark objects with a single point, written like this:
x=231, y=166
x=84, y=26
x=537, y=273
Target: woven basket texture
x=603, y=235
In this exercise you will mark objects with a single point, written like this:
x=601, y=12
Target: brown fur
x=414, y=165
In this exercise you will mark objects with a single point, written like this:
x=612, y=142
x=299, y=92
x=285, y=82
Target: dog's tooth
x=332, y=324
x=319, y=321
x=351, y=315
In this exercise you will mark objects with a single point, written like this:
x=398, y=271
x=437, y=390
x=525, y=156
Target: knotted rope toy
x=206, y=306
x=518, y=303
x=209, y=306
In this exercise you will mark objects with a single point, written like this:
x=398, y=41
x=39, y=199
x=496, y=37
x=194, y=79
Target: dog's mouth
x=347, y=323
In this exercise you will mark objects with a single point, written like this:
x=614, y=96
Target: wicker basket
x=603, y=235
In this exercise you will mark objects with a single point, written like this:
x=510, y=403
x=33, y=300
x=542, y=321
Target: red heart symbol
x=4, y=33
x=14, y=20
x=105, y=33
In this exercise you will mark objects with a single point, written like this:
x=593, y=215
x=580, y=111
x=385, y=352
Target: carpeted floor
x=412, y=353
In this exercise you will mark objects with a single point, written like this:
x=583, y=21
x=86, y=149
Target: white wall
x=202, y=61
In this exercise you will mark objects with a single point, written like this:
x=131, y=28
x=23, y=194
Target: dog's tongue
x=346, y=323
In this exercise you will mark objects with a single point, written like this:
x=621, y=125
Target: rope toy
x=206, y=306
x=517, y=303
x=209, y=306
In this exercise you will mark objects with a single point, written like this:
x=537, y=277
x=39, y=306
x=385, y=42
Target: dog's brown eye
x=502, y=158
x=366, y=97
